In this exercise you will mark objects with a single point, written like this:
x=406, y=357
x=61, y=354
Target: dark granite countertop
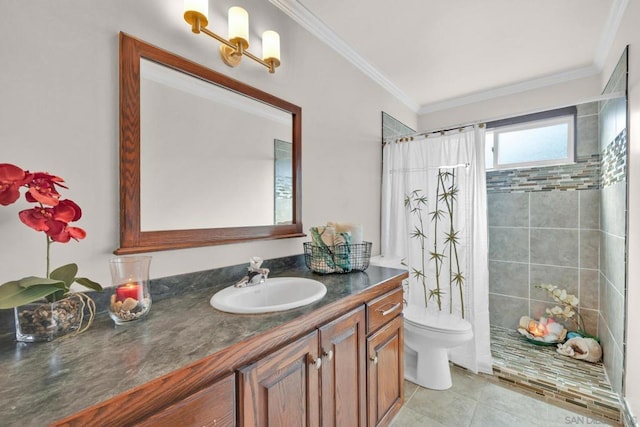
x=43, y=382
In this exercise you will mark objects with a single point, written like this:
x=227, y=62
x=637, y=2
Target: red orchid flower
x=67, y=211
x=11, y=179
x=42, y=188
x=54, y=221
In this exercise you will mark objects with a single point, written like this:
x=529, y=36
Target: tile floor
x=478, y=401
x=542, y=371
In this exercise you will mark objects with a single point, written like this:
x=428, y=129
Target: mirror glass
x=243, y=148
x=204, y=159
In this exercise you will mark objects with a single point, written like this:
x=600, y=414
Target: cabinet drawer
x=212, y=406
x=383, y=309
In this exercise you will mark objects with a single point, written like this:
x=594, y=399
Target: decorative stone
x=129, y=304
x=129, y=309
x=45, y=321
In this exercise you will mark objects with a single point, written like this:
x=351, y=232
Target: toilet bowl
x=428, y=335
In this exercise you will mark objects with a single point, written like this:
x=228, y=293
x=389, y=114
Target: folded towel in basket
x=322, y=239
x=342, y=251
x=323, y=235
x=354, y=229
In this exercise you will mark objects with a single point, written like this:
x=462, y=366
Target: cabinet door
x=385, y=353
x=343, y=373
x=212, y=406
x=281, y=389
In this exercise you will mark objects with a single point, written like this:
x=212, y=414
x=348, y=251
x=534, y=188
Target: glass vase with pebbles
x=130, y=299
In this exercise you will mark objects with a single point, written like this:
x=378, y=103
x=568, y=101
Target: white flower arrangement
x=568, y=305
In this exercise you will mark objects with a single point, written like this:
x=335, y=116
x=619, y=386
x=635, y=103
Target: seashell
x=524, y=322
x=580, y=348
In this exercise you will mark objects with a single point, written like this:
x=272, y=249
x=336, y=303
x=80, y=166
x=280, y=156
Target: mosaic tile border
x=542, y=371
x=582, y=175
x=613, y=164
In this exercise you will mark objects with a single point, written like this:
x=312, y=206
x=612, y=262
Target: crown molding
x=611, y=27
x=299, y=13
x=537, y=83
x=295, y=10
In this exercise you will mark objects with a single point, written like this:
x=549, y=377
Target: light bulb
x=270, y=46
x=239, y=26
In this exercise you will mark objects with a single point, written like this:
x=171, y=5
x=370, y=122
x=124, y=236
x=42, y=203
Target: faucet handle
x=254, y=263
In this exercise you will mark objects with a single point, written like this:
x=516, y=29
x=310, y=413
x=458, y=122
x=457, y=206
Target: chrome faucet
x=255, y=274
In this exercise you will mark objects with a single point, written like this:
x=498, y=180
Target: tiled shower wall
x=566, y=225
x=613, y=146
x=544, y=227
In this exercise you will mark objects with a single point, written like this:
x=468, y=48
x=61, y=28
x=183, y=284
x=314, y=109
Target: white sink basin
x=277, y=294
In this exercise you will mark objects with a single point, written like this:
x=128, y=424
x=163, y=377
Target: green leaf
x=458, y=279
x=436, y=293
x=437, y=256
x=436, y=215
x=417, y=233
x=27, y=282
x=417, y=273
x=88, y=283
x=66, y=273
x=452, y=237
x=13, y=294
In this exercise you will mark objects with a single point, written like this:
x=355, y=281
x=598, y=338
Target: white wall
x=629, y=34
x=59, y=113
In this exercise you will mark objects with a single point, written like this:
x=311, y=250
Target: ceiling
x=437, y=54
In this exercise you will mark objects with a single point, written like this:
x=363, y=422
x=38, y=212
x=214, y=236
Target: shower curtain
x=434, y=217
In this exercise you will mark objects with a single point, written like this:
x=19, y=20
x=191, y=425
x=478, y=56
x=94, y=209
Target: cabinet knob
x=328, y=355
x=374, y=359
x=316, y=362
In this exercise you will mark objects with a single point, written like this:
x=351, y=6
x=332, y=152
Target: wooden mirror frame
x=132, y=239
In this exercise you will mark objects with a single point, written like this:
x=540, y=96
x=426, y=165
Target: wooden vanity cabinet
x=211, y=406
x=340, y=365
x=281, y=389
x=385, y=354
x=343, y=372
x=335, y=376
x=319, y=379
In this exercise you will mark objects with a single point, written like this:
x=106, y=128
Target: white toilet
x=428, y=335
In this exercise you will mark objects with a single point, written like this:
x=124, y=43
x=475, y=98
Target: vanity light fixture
x=232, y=49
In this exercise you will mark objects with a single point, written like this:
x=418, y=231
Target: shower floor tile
x=540, y=370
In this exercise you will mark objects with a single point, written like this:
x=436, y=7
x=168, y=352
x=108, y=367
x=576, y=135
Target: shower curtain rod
x=410, y=170
x=409, y=137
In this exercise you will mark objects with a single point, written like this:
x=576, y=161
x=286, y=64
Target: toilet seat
x=438, y=321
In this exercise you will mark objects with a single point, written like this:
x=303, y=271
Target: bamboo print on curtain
x=434, y=217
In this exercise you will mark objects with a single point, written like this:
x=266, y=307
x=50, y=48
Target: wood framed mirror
x=204, y=159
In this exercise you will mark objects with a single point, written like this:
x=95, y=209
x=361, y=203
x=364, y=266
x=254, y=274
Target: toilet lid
x=435, y=320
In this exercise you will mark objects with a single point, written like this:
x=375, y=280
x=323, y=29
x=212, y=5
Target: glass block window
x=540, y=139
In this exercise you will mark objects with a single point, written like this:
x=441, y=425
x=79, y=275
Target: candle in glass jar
x=129, y=290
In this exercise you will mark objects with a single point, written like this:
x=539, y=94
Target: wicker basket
x=337, y=259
